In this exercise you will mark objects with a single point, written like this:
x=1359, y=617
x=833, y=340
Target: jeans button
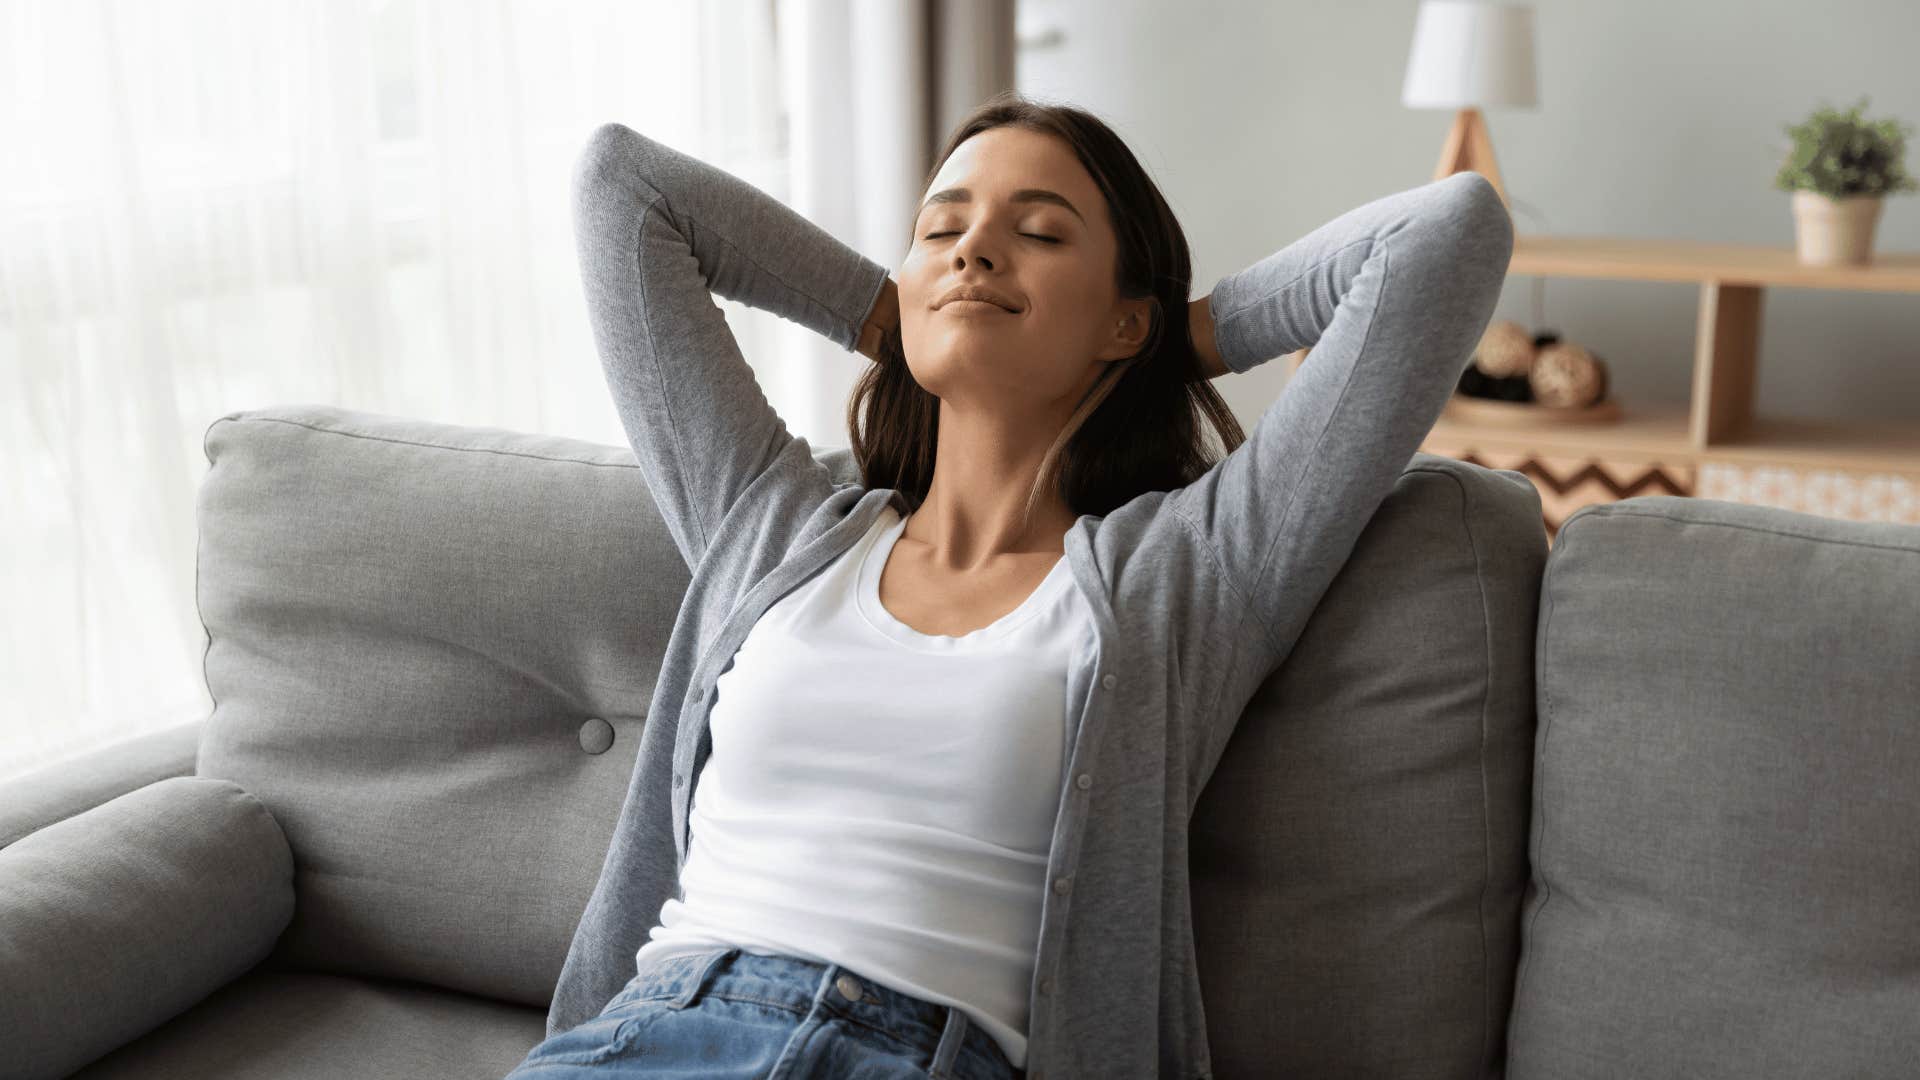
x=849, y=987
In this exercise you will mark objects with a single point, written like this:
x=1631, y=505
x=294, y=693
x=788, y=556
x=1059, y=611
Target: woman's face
x=1013, y=211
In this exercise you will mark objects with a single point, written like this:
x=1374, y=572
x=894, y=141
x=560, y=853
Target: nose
x=963, y=249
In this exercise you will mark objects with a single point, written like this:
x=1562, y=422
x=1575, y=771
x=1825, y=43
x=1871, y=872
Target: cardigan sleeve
x=1392, y=298
x=658, y=233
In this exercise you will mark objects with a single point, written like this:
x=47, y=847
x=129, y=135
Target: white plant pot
x=1835, y=232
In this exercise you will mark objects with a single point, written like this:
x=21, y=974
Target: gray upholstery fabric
x=1726, y=880
x=118, y=918
x=1359, y=855
x=410, y=626
x=286, y=1025
x=405, y=687
x=61, y=789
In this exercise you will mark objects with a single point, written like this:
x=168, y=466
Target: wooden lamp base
x=1469, y=148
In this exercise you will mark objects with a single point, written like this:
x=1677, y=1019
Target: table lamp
x=1465, y=55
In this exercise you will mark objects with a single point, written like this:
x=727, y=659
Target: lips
x=978, y=293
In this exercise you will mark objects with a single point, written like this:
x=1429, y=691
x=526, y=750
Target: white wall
x=1657, y=118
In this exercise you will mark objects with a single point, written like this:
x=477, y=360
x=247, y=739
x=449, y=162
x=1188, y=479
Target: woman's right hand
x=1200, y=329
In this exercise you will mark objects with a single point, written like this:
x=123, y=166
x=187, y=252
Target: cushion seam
x=1640, y=512
x=1486, y=809
x=429, y=445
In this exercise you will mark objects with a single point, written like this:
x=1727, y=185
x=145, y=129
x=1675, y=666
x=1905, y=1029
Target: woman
x=911, y=798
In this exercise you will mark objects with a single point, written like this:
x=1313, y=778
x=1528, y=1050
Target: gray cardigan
x=1197, y=593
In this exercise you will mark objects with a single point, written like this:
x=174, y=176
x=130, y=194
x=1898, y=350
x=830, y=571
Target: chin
x=947, y=361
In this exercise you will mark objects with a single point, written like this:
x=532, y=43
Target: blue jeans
x=732, y=1013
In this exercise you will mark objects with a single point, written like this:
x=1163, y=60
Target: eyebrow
x=960, y=195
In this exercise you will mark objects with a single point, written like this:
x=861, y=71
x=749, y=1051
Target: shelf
x=1824, y=444
x=1653, y=432
x=1715, y=443
x=1633, y=259
x=1657, y=433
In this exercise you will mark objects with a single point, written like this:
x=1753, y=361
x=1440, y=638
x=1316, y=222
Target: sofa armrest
x=121, y=917
x=60, y=789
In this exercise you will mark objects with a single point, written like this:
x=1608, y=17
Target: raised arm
x=659, y=232
x=1391, y=296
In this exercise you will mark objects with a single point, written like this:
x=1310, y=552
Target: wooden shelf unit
x=1713, y=446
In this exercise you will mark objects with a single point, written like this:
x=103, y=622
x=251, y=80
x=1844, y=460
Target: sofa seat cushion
x=293, y=1025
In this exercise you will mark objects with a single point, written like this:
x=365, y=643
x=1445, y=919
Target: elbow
x=1474, y=227
x=615, y=157
x=606, y=145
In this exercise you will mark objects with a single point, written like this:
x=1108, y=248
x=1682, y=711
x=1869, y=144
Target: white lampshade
x=1467, y=54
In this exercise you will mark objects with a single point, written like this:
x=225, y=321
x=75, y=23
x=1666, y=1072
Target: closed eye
x=1036, y=236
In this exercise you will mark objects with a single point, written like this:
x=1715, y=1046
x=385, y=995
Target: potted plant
x=1839, y=169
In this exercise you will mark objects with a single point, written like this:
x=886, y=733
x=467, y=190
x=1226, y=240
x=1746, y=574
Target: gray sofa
x=1641, y=805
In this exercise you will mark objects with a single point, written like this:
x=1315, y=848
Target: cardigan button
x=1062, y=884
x=1108, y=682
x=1046, y=984
x=1083, y=781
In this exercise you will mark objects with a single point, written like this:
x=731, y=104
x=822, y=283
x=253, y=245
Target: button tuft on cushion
x=596, y=735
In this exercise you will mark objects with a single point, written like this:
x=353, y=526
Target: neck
x=984, y=466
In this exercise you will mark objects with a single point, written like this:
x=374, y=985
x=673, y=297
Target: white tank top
x=885, y=799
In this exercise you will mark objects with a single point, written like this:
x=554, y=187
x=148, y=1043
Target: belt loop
x=702, y=976
x=950, y=1043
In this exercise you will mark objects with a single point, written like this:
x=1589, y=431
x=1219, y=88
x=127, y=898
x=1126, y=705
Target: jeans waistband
x=799, y=985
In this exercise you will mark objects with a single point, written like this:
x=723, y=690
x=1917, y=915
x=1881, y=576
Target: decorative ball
x=1505, y=350
x=1478, y=384
x=1566, y=374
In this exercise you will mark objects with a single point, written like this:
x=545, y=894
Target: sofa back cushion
x=431, y=649
x=1359, y=855
x=1725, y=879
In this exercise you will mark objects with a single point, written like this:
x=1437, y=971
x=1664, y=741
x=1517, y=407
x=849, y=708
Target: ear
x=1133, y=321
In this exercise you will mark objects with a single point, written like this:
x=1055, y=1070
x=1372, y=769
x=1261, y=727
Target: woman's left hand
x=884, y=317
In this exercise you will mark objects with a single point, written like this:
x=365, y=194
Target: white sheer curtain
x=208, y=206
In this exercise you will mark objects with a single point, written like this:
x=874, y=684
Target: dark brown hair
x=1138, y=427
